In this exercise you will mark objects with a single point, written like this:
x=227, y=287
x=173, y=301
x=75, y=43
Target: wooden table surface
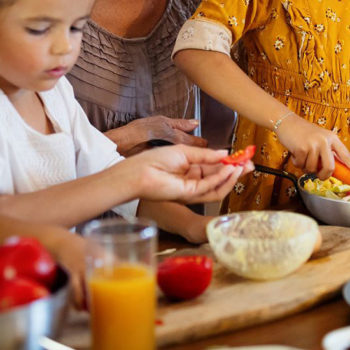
x=304, y=330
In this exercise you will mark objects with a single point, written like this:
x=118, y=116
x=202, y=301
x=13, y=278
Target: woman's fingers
x=312, y=161
x=317, y=156
x=175, y=131
x=186, y=125
x=180, y=137
x=327, y=157
x=342, y=152
x=327, y=163
x=299, y=158
x=310, y=144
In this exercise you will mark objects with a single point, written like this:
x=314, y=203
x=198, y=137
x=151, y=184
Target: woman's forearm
x=73, y=202
x=220, y=77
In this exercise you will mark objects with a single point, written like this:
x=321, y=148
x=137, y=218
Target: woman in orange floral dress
x=298, y=62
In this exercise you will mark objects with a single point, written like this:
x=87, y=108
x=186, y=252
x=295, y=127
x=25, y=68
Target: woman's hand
x=312, y=147
x=214, y=71
x=184, y=174
x=133, y=137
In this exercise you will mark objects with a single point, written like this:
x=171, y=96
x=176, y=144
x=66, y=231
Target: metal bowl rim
x=64, y=289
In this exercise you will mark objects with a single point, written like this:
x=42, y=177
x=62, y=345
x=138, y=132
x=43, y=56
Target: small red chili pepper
x=240, y=157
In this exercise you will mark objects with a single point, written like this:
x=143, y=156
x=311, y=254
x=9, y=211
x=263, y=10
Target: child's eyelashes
x=42, y=31
x=76, y=29
x=78, y=26
x=37, y=31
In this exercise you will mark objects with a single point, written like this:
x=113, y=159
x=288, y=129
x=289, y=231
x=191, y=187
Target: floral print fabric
x=299, y=52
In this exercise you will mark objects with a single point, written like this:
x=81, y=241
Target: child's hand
x=196, y=229
x=312, y=145
x=69, y=251
x=186, y=174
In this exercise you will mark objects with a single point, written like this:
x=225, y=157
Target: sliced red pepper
x=184, y=277
x=240, y=157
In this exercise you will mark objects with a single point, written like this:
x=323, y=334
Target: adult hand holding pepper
x=183, y=173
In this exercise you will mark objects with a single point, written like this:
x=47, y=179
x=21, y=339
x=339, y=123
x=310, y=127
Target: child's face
x=40, y=41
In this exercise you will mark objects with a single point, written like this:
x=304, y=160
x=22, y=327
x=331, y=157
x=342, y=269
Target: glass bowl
x=262, y=245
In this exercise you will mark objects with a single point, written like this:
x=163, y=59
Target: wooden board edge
x=228, y=324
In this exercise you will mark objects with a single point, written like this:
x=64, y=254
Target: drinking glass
x=120, y=268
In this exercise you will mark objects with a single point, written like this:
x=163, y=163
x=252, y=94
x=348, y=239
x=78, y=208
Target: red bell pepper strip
x=240, y=157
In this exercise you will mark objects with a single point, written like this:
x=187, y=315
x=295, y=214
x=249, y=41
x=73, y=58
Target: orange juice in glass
x=121, y=283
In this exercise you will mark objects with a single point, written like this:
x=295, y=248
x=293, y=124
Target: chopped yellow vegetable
x=330, y=188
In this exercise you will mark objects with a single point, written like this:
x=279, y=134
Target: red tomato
x=26, y=257
x=184, y=277
x=20, y=291
x=240, y=157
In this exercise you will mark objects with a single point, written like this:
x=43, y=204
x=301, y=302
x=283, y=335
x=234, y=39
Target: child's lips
x=57, y=72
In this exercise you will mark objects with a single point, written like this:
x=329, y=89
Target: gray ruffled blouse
x=117, y=80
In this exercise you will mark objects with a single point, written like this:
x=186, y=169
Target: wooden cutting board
x=232, y=302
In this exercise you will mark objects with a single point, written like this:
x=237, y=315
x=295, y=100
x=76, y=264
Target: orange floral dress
x=299, y=52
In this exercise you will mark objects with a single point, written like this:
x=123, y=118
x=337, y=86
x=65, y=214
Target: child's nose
x=62, y=45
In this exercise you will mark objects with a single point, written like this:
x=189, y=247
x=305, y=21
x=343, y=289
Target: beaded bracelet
x=279, y=121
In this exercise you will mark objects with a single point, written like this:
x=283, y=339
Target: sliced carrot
x=341, y=172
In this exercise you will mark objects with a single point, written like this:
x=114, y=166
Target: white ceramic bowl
x=262, y=244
